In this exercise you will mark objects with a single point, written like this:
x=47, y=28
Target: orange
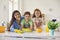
x=39, y=30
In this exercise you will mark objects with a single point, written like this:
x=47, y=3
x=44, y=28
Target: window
x=13, y=5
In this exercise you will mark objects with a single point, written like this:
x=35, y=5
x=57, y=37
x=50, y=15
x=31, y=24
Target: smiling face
x=37, y=14
x=27, y=16
x=17, y=16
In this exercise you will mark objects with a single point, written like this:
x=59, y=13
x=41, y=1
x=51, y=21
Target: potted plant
x=52, y=25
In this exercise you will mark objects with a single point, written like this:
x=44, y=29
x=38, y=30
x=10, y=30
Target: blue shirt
x=15, y=25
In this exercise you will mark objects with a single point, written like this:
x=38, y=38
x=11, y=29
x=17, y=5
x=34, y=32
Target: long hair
x=34, y=13
x=13, y=18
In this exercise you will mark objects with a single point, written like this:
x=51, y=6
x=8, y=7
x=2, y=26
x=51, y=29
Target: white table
x=28, y=36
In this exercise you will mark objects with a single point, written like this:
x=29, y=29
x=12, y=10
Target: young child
x=37, y=19
x=15, y=21
x=27, y=22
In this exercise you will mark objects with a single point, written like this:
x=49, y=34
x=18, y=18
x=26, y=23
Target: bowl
x=2, y=29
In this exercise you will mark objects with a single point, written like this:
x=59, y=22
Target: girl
x=27, y=22
x=37, y=19
x=15, y=21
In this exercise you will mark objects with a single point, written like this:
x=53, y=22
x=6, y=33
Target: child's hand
x=18, y=18
x=30, y=28
x=27, y=30
x=18, y=31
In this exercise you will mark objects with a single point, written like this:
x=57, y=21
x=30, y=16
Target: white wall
x=51, y=8
x=20, y=6
x=4, y=11
x=30, y=5
x=13, y=5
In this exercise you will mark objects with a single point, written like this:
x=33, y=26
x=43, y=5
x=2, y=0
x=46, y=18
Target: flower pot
x=51, y=32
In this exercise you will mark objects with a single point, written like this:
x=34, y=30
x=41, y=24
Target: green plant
x=53, y=25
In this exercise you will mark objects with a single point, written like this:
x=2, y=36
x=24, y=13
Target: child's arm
x=35, y=26
x=41, y=22
x=31, y=24
x=22, y=26
x=31, y=27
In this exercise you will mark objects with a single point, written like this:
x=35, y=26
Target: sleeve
x=31, y=22
x=22, y=22
x=42, y=20
x=33, y=19
x=12, y=28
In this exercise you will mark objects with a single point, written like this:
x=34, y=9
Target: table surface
x=29, y=35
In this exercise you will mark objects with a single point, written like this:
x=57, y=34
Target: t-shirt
x=26, y=24
x=37, y=21
x=15, y=25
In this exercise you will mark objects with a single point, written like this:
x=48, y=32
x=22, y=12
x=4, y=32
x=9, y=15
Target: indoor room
x=29, y=19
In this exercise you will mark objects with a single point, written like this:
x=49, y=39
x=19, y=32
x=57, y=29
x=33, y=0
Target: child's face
x=37, y=13
x=27, y=16
x=17, y=16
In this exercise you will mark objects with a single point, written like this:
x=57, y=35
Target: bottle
x=2, y=29
x=3, y=23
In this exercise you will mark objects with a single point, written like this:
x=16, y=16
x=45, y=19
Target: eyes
x=16, y=14
x=37, y=12
x=27, y=15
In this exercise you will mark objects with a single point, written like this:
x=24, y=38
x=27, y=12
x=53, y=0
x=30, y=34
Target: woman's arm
x=12, y=28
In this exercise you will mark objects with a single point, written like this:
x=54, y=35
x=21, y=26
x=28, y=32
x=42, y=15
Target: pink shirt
x=37, y=22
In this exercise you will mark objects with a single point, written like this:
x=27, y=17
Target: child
x=27, y=22
x=37, y=19
x=15, y=21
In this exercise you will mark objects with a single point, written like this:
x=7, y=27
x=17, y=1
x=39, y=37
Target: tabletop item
x=52, y=25
x=39, y=30
x=26, y=30
x=18, y=31
x=2, y=29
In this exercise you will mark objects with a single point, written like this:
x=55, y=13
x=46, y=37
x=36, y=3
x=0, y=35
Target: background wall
x=51, y=8
x=4, y=12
